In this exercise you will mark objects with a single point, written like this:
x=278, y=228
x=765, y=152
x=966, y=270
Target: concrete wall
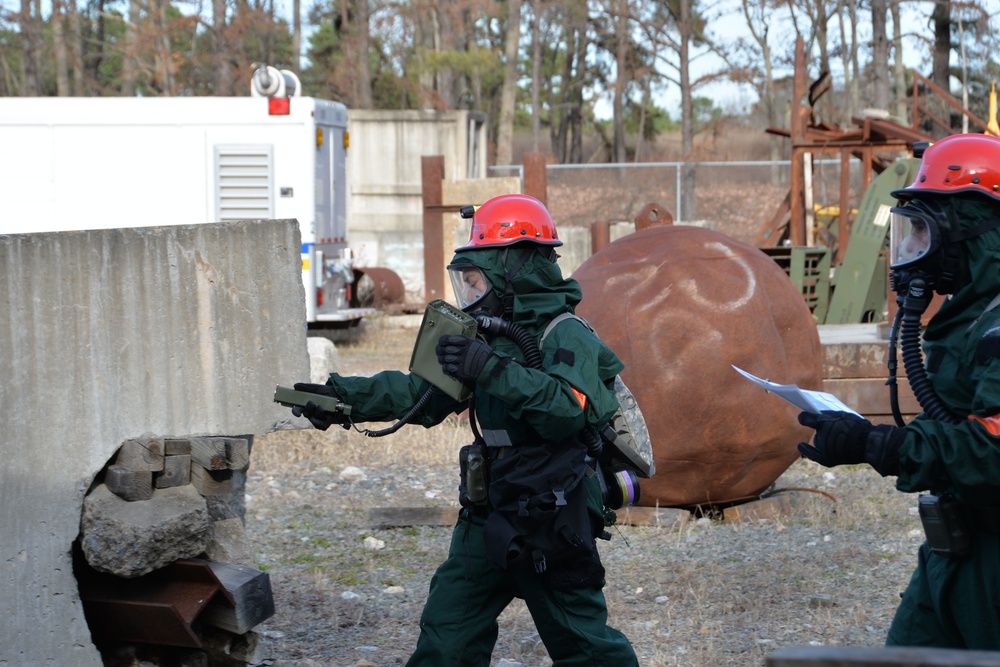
x=384, y=204
x=113, y=334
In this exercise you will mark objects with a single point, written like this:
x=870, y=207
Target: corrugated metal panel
x=244, y=182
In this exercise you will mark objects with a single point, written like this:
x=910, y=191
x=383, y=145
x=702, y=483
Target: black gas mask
x=925, y=247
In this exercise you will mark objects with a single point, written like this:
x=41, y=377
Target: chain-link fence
x=736, y=198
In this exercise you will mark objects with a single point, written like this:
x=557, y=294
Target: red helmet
x=509, y=219
x=958, y=163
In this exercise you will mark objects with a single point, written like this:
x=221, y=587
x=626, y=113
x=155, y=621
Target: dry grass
x=279, y=452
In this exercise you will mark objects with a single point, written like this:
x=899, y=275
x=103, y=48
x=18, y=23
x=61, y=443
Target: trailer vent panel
x=244, y=183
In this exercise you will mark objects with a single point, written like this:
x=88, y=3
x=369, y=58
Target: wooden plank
x=209, y=453
x=858, y=360
x=870, y=396
x=141, y=454
x=252, y=599
x=128, y=484
x=176, y=447
x=401, y=517
x=176, y=471
x=857, y=656
x=772, y=507
x=237, y=453
x=211, y=482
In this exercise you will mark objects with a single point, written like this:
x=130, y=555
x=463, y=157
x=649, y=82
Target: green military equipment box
x=440, y=318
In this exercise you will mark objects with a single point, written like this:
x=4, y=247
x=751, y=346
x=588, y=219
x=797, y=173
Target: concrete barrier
x=108, y=335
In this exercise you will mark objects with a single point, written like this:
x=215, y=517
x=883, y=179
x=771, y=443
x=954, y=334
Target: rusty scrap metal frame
x=534, y=183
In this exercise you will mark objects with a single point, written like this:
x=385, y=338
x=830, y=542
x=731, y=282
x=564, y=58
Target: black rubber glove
x=463, y=358
x=317, y=416
x=843, y=438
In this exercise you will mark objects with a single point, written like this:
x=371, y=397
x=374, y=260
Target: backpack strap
x=562, y=317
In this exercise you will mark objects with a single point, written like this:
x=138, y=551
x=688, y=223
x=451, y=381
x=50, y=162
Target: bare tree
x=130, y=54
x=620, y=14
x=221, y=57
x=849, y=54
x=880, y=56
x=898, y=72
x=759, y=19
x=536, y=73
x=296, y=63
x=941, y=57
x=58, y=21
x=505, y=134
x=31, y=48
x=363, y=96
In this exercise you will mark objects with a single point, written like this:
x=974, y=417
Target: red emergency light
x=278, y=106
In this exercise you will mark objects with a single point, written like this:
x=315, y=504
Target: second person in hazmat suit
x=531, y=509
x=948, y=226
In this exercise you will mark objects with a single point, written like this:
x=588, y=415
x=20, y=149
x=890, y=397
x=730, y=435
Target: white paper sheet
x=806, y=400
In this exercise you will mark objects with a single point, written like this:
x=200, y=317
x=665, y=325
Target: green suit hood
x=980, y=259
x=540, y=291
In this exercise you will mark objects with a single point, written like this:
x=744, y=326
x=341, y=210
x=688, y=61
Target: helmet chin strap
x=508, y=290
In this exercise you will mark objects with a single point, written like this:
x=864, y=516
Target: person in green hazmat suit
x=531, y=506
x=947, y=239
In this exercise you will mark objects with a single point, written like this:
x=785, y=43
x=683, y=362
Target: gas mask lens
x=470, y=284
x=910, y=237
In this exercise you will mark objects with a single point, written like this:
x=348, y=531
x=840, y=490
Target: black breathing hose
x=498, y=326
x=916, y=302
x=410, y=414
x=897, y=415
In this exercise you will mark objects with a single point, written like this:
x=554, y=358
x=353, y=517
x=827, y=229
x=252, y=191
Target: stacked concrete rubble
x=163, y=500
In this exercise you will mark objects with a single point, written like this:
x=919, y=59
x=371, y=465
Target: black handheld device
x=944, y=525
x=291, y=398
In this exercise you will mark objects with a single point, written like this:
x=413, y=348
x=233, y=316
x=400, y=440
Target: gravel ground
x=702, y=594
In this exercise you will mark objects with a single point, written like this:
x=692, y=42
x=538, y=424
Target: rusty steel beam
x=431, y=176
x=536, y=182
x=158, y=608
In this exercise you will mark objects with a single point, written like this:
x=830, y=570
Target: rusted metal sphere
x=680, y=305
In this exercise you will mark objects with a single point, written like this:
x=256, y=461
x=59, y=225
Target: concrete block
x=181, y=331
x=323, y=359
x=130, y=539
x=229, y=544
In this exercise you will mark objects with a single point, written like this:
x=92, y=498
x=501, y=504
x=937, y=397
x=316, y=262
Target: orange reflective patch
x=580, y=397
x=992, y=423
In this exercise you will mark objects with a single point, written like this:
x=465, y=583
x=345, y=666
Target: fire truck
x=98, y=163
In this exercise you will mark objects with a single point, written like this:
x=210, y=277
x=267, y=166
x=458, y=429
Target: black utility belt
x=949, y=523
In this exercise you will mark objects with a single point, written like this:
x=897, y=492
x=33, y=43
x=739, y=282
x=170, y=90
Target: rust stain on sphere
x=679, y=305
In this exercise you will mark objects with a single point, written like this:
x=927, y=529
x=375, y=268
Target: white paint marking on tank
x=690, y=286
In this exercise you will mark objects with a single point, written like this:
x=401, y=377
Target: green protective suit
x=528, y=406
x=955, y=601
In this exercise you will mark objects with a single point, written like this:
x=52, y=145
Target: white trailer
x=98, y=163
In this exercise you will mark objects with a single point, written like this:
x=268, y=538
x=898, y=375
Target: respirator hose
x=410, y=414
x=913, y=360
x=897, y=414
x=498, y=326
